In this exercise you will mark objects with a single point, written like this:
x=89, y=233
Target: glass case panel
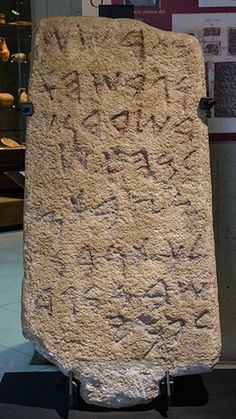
x=15, y=44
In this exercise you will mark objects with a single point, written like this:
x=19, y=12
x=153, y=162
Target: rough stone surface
x=120, y=278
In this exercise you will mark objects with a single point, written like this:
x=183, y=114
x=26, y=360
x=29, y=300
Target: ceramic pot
x=6, y=100
x=22, y=95
x=4, y=51
x=8, y=142
x=18, y=57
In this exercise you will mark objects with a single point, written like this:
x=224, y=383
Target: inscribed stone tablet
x=120, y=278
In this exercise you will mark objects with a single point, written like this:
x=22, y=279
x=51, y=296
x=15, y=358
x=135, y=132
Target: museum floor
x=15, y=351
x=28, y=391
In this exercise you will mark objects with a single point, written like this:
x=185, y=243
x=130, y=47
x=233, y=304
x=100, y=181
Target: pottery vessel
x=6, y=100
x=4, y=51
x=8, y=142
x=18, y=57
x=22, y=95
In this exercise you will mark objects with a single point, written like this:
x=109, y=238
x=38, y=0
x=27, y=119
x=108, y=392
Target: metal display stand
x=72, y=392
x=166, y=388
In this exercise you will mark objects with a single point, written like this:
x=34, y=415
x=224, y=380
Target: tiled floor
x=15, y=351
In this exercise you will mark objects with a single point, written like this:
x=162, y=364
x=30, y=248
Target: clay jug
x=8, y=142
x=6, y=100
x=4, y=51
x=23, y=98
x=18, y=57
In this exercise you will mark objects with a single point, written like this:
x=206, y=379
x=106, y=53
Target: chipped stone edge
x=143, y=380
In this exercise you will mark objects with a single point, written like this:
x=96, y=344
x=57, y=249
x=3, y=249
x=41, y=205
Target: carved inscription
x=189, y=160
x=194, y=290
x=61, y=38
x=136, y=83
x=52, y=219
x=203, y=320
x=117, y=160
x=195, y=251
x=154, y=346
x=143, y=252
x=104, y=81
x=134, y=40
x=48, y=88
x=72, y=153
x=68, y=125
x=81, y=36
x=185, y=128
x=92, y=123
x=183, y=85
x=52, y=121
x=117, y=256
x=166, y=163
x=70, y=295
x=121, y=121
x=92, y=298
x=116, y=321
x=157, y=293
x=176, y=326
x=161, y=83
x=106, y=210
x=121, y=294
x=44, y=301
x=184, y=88
x=72, y=85
x=150, y=122
x=79, y=202
x=142, y=203
x=85, y=262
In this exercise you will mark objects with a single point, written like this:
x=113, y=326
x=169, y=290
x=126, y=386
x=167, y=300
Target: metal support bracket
x=72, y=391
x=207, y=103
x=167, y=388
x=17, y=177
x=26, y=109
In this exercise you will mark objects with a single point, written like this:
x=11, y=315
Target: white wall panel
x=42, y=8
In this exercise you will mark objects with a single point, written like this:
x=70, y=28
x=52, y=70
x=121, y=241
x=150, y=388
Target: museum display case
x=15, y=42
x=15, y=45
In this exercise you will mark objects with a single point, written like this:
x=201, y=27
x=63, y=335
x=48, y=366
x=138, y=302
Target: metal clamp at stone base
x=26, y=109
x=72, y=392
x=167, y=388
x=207, y=103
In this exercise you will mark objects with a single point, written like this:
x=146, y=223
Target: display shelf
x=16, y=25
x=11, y=211
x=14, y=74
x=12, y=159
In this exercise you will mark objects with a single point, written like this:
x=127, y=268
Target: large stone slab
x=120, y=278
